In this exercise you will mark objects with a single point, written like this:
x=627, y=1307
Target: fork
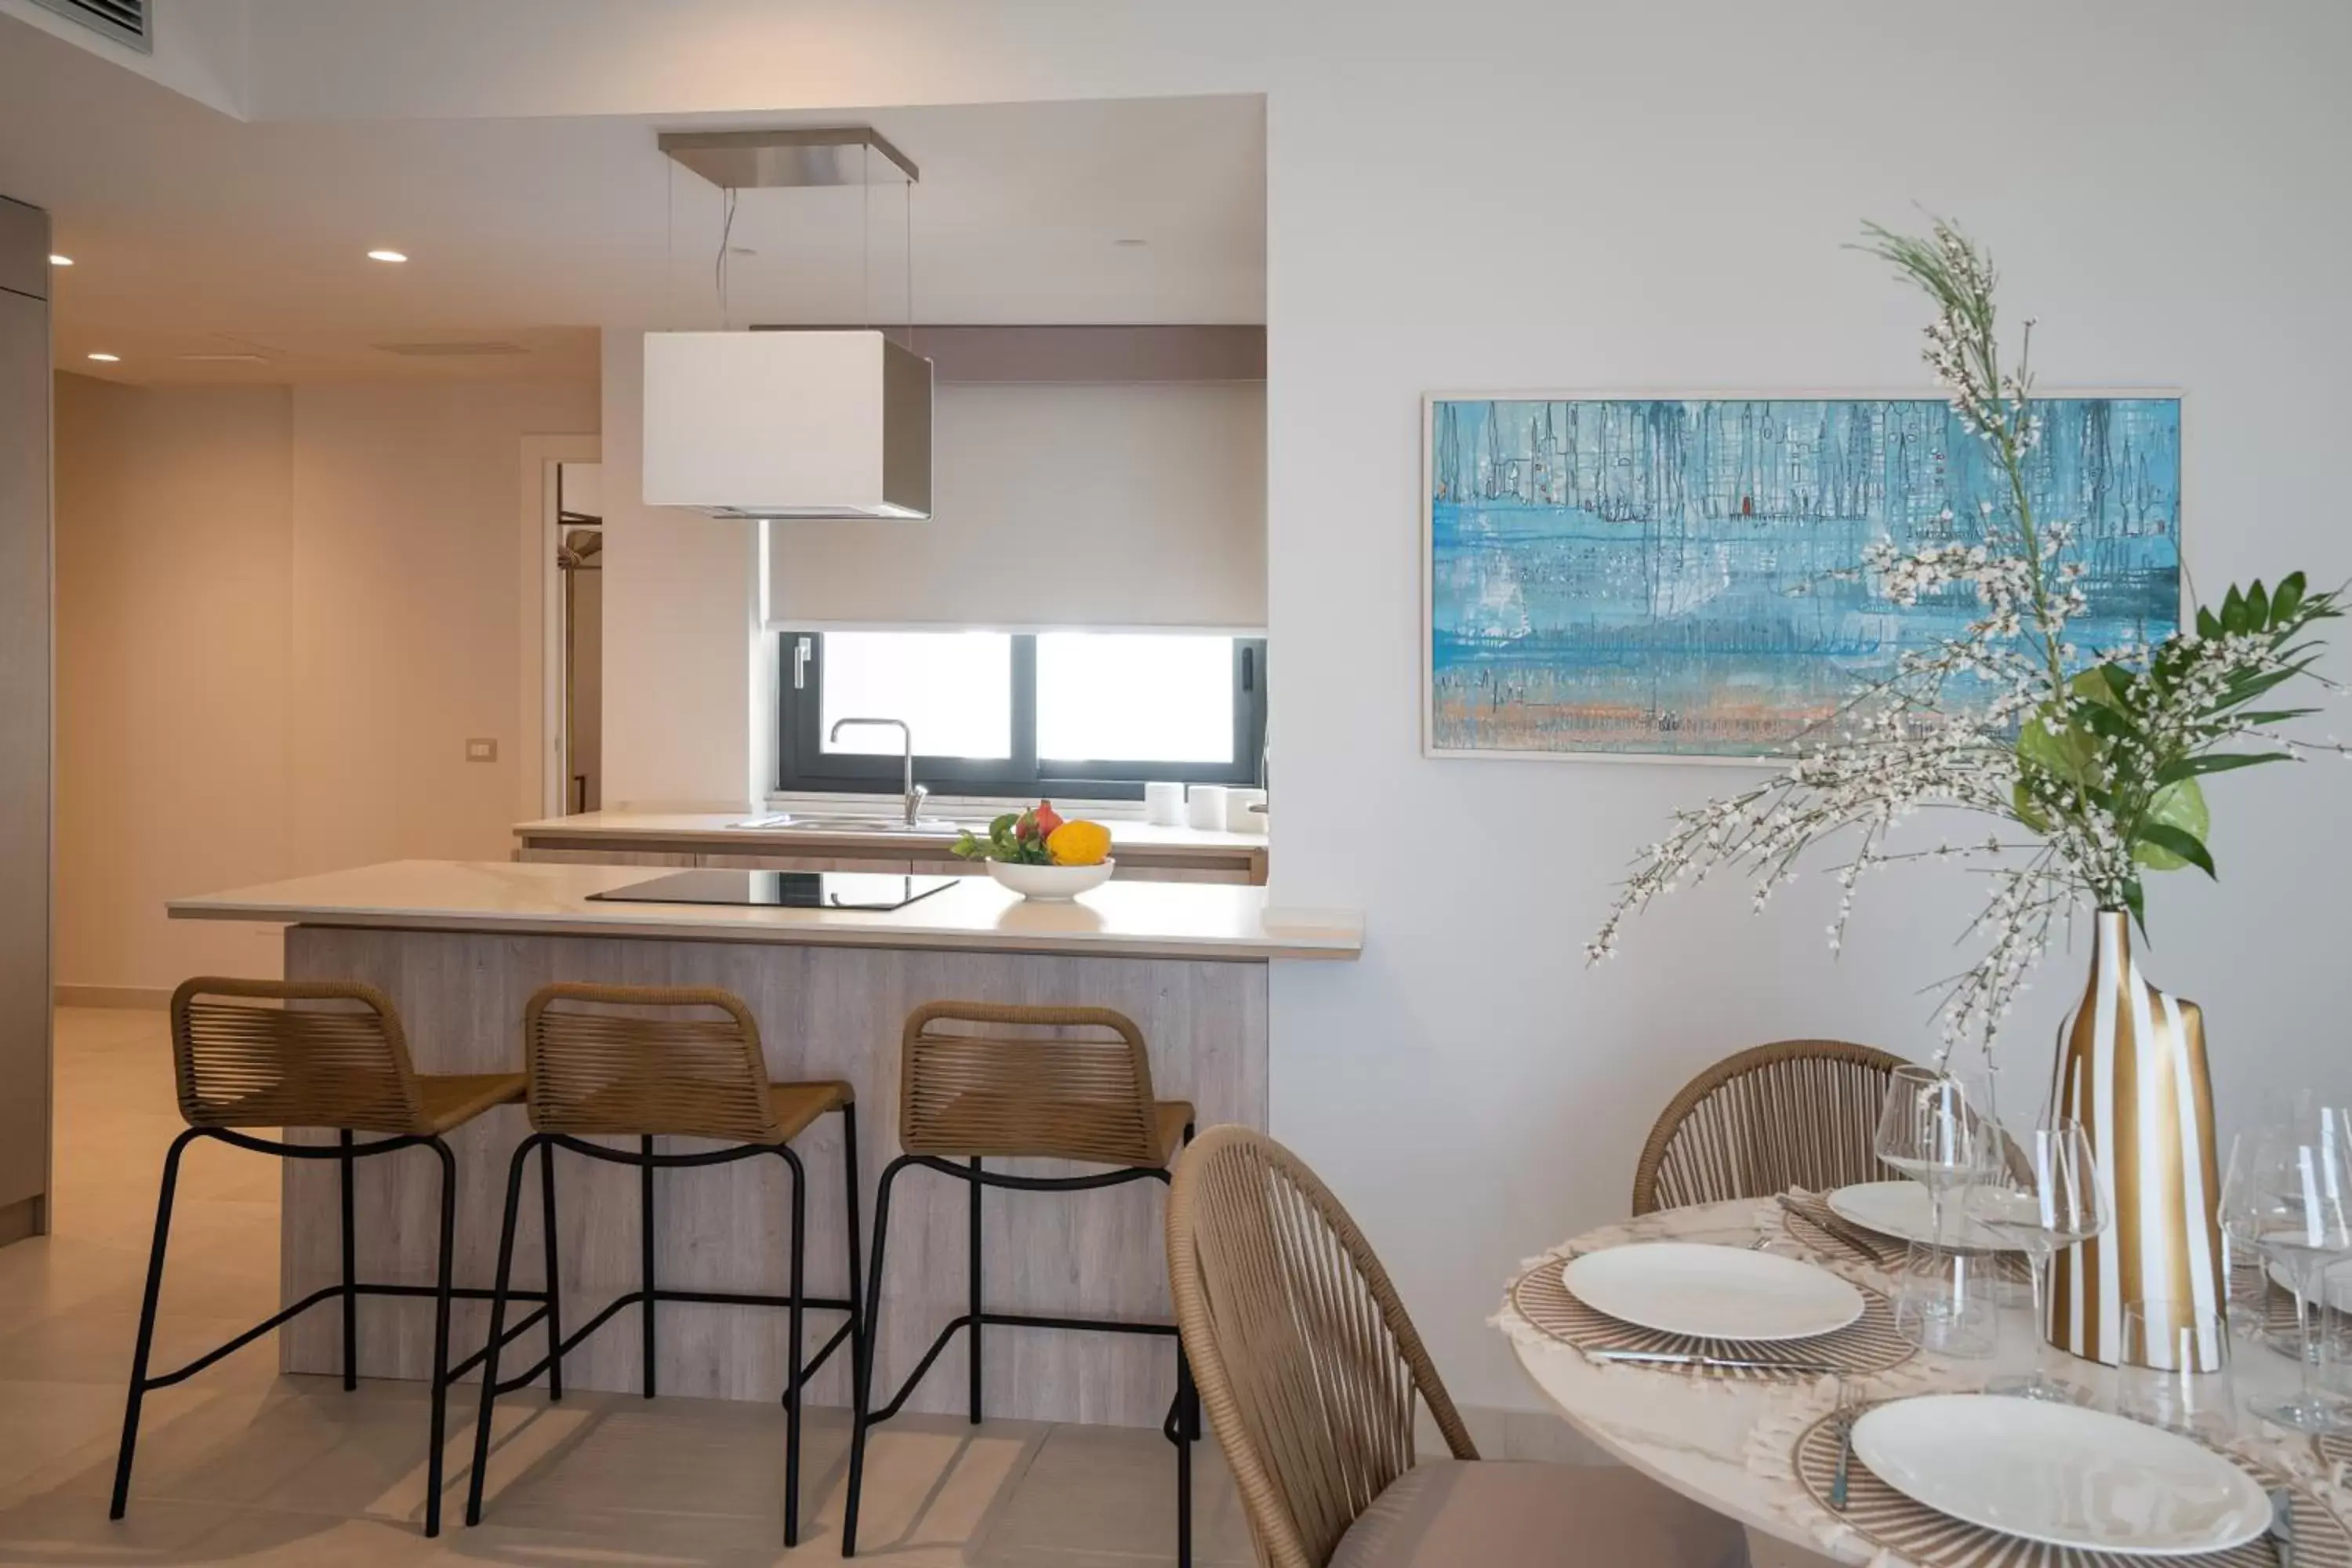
x=1850, y=1403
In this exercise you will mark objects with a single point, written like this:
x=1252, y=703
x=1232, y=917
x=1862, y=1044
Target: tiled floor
x=239, y=1465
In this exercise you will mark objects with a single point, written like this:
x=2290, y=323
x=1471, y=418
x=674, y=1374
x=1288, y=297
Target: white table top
x=1728, y=1445
x=1127, y=919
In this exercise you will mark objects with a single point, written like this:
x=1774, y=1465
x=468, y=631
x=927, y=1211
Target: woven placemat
x=1890, y=1521
x=1868, y=1344
x=1812, y=1221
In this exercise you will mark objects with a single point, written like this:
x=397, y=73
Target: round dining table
x=1731, y=1446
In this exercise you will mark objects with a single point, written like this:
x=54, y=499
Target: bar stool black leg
x=862, y=1396
x=646, y=1209
x=147, y=1323
x=351, y=1274
x=498, y=1288
x=441, y=1336
x=976, y=1275
x=1187, y=1423
x=554, y=1275
x=851, y=1178
x=793, y=1400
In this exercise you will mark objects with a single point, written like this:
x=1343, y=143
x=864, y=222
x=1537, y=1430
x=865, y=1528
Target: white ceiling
x=196, y=233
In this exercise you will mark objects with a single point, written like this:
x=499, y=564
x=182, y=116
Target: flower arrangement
x=1037, y=836
x=2092, y=763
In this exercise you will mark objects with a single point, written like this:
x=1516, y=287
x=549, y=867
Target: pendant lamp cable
x=866, y=235
x=719, y=269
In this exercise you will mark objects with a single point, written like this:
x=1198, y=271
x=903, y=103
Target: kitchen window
x=1082, y=714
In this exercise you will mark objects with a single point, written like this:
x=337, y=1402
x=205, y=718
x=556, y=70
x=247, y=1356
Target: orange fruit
x=1079, y=844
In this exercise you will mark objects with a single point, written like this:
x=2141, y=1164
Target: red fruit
x=1047, y=818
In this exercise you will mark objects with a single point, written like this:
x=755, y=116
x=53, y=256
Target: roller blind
x=1079, y=506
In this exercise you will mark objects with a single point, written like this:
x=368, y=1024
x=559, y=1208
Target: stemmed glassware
x=2289, y=1191
x=1929, y=1132
x=2040, y=1193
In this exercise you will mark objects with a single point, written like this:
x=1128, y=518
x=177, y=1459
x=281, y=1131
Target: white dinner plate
x=1713, y=1293
x=1899, y=1209
x=2062, y=1474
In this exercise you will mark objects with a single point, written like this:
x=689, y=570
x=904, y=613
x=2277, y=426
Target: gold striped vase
x=2131, y=1069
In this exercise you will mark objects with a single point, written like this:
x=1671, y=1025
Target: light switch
x=481, y=750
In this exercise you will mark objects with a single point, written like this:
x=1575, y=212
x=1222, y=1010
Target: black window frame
x=804, y=766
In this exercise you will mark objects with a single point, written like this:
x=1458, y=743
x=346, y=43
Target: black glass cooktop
x=780, y=889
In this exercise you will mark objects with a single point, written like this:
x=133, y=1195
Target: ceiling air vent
x=125, y=21
x=453, y=351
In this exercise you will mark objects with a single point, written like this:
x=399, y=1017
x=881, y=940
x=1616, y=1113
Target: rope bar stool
x=1793, y=1113
x=645, y=1062
x=977, y=1081
x=328, y=1055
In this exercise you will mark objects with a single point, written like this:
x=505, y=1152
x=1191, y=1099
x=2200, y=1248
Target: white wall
x=1526, y=194
x=281, y=614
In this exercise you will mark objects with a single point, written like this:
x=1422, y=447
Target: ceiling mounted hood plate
x=799, y=425
x=772, y=159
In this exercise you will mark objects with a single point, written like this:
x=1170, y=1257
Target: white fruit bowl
x=1050, y=884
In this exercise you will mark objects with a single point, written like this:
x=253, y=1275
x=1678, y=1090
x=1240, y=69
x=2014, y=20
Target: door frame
x=539, y=787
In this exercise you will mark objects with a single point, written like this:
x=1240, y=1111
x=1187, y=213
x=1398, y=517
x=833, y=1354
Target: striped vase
x=2131, y=1069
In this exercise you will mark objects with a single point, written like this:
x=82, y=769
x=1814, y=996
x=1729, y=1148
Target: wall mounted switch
x=481, y=750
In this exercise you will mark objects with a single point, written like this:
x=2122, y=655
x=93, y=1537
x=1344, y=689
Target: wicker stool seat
x=327, y=1054
x=979, y=1081
x=1310, y=1370
x=646, y=1062
x=1792, y=1113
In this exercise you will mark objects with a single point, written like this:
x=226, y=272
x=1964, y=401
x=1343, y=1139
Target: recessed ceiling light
x=1129, y=244
x=108, y=359
x=56, y=260
x=385, y=256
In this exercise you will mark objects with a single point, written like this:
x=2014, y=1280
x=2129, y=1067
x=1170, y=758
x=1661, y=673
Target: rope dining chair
x=980, y=1080
x=330, y=1054
x=645, y=1062
x=1794, y=1113
x=1309, y=1370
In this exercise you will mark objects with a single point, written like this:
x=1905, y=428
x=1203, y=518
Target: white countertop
x=1153, y=919
x=721, y=825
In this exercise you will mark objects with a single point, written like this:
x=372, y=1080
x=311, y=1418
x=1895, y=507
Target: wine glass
x=1927, y=1130
x=2290, y=1191
x=2040, y=1193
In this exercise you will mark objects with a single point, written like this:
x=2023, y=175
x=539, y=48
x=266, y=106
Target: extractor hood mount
x=816, y=423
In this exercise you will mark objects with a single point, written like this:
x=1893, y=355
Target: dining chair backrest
x=1306, y=1363
x=983, y=1078
x=659, y=1060
x=292, y=1053
x=1794, y=1113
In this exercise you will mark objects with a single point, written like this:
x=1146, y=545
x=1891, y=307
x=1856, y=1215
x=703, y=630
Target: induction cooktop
x=780, y=889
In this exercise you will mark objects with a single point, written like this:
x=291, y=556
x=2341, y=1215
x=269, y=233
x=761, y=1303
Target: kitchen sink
x=803, y=823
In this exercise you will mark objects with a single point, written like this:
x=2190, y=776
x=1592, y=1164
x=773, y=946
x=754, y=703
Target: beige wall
x=281, y=614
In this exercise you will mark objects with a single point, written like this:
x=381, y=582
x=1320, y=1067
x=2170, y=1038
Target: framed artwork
x=1664, y=577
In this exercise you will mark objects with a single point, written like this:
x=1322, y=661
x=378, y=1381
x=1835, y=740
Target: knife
x=1873, y=1247
x=2281, y=1531
x=1692, y=1358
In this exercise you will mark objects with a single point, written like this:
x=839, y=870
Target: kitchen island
x=460, y=946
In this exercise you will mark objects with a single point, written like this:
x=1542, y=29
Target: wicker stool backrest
x=680, y=1061
x=1795, y=1113
x=1307, y=1365
x=242, y=1058
x=1065, y=1083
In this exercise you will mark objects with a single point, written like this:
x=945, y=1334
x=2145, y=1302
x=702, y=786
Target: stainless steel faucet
x=916, y=794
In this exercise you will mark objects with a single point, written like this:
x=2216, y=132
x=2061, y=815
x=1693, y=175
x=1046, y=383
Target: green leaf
x=2110, y=722
x=2135, y=901
x=2234, y=611
x=2286, y=599
x=2190, y=849
x=2108, y=685
x=2023, y=806
x=2208, y=625
x=2065, y=751
x=2258, y=607
x=2216, y=762
x=2273, y=715
x=2178, y=808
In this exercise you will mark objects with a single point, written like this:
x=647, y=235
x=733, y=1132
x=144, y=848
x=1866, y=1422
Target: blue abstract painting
x=1679, y=577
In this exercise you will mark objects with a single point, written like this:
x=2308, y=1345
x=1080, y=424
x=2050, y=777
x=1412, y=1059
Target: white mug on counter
x=1163, y=804
x=1244, y=811
x=1207, y=803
